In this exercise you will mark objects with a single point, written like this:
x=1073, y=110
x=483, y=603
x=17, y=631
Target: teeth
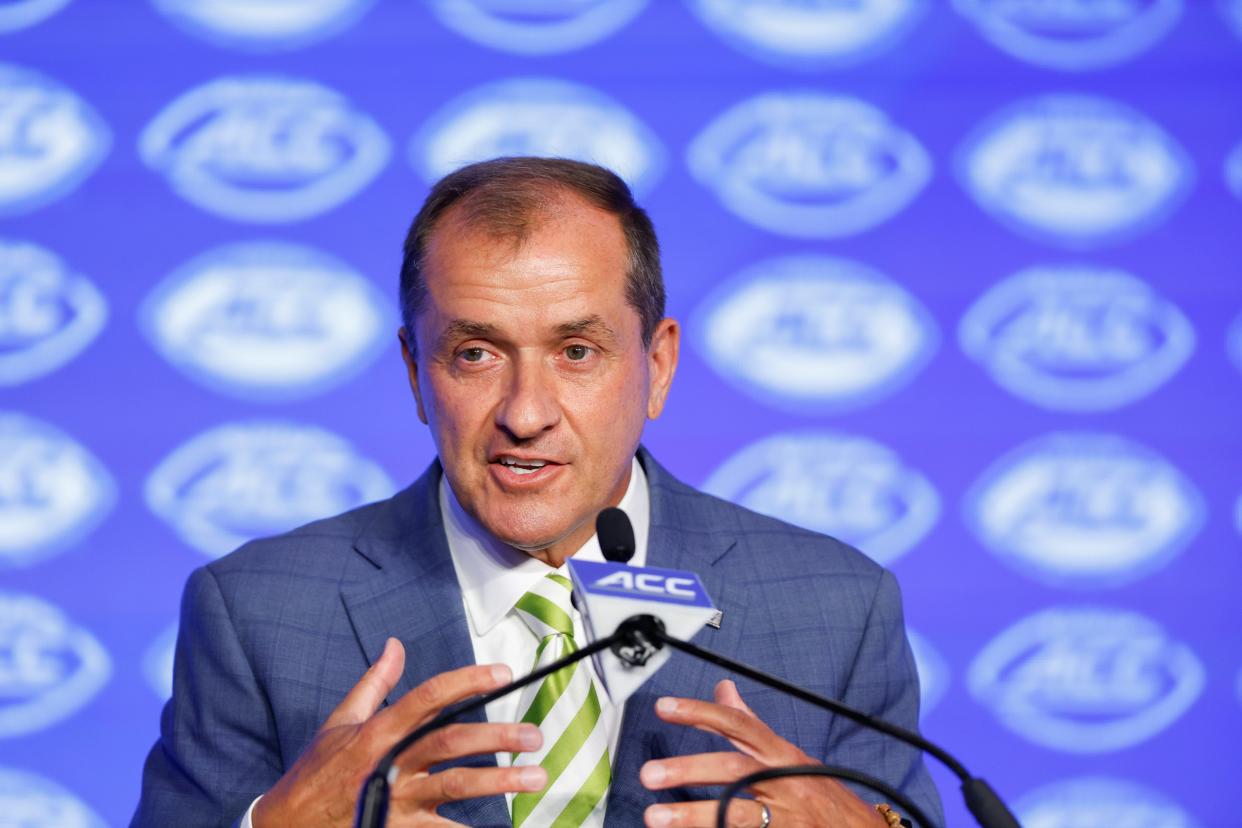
x=524, y=466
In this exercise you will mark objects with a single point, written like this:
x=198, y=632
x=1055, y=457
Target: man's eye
x=473, y=354
x=577, y=353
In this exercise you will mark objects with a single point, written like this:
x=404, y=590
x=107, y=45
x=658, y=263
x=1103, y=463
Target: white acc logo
x=264, y=149
x=538, y=116
x=1233, y=169
x=48, y=667
x=50, y=140
x=1232, y=10
x=1073, y=34
x=1086, y=680
x=246, y=480
x=1084, y=510
x=263, y=24
x=157, y=663
x=47, y=314
x=933, y=671
x=810, y=34
x=1235, y=342
x=1076, y=337
x=18, y=14
x=29, y=801
x=1074, y=170
x=848, y=487
x=268, y=320
x=52, y=491
x=1099, y=802
x=536, y=27
x=809, y=165
x=813, y=332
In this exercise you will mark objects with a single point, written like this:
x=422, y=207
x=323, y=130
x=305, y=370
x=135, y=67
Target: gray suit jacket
x=274, y=635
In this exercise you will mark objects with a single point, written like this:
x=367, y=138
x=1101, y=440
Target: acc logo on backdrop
x=1233, y=167
x=538, y=116
x=1075, y=170
x=536, y=27
x=268, y=320
x=849, y=487
x=1234, y=343
x=810, y=35
x=1084, y=509
x=809, y=165
x=157, y=662
x=263, y=25
x=240, y=481
x=1232, y=10
x=264, y=148
x=1099, y=802
x=1086, y=680
x=50, y=140
x=18, y=14
x=1078, y=34
x=49, y=668
x=814, y=332
x=52, y=490
x=933, y=671
x=1077, y=337
x=47, y=313
x=29, y=801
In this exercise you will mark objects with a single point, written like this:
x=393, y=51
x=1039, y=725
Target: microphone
x=616, y=535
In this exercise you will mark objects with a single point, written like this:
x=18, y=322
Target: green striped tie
x=566, y=708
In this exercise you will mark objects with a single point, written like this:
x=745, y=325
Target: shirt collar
x=493, y=576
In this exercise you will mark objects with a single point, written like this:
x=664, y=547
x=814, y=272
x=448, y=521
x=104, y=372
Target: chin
x=526, y=531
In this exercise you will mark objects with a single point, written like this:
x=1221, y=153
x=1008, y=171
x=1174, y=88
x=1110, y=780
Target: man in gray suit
x=536, y=347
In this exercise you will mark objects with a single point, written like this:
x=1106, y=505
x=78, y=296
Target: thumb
x=369, y=693
x=728, y=695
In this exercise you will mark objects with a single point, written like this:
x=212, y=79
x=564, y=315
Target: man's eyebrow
x=466, y=329
x=592, y=324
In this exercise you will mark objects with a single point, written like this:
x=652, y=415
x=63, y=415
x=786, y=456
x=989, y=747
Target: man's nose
x=530, y=405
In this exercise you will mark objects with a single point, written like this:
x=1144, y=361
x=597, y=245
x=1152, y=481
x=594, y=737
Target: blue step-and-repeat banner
x=962, y=282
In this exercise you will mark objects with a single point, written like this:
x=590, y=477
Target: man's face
x=532, y=374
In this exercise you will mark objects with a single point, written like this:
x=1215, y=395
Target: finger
x=470, y=783
x=369, y=693
x=698, y=769
x=728, y=695
x=459, y=740
x=745, y=731
x=438, y=692
x=743, y=813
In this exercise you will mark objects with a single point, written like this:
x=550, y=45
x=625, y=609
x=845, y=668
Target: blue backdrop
x=961, y=282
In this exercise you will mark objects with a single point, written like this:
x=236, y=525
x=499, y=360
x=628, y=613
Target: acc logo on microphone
x=52, y=491
x=1100, y=802
x=50, y=140
x=18, y=14
x=157, y=662
x=1074, y=170
x=809, y=165
x=240, y=481
x=810, y=35
x=848, y=487
x=814, y=332
x=536, y=27
x=263, y=25
x=1084, y=509
x=1072, y=35
x=538, y=116
x=37, y=802
x=933, y=671
x=263, y=148
x=268, y=320
x=1086, y=680
x=1077, y=337
x=49, y=668
x=47, y=313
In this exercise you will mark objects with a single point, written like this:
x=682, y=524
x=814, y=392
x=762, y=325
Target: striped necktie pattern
x=566, y=707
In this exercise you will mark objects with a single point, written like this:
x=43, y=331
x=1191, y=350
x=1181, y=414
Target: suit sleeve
x=217, y=749
x=883, y=682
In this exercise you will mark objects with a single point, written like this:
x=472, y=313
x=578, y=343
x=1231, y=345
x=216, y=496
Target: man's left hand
x=793, y=802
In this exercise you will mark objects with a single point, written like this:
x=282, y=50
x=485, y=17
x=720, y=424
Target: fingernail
x=658, y=815
x=666, y=705
x=532, y=778
x=653, y=773
x=501, y=674
x=529, y=738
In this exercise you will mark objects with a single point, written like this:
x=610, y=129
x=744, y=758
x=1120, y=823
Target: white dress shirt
x=494, y=576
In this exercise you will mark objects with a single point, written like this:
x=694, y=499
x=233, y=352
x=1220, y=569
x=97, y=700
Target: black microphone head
x=616, y=535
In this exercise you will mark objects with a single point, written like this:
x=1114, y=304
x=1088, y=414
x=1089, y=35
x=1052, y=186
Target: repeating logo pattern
x=29, y=801
x=933, y=671
x=1234, y=343
x=157, y=662
x=264, y=148
x=1077, y=337
x=48, y=314
x=240, y=481
x=537, y=27
x=19, y=14
x=49, y=667
x=50, y=140
x=809, y=165
x=1086, y=680
x=263, y=25
x=1100, y=802
x=1233, y=170
x=840, y=485
x=52, y=490
x=810, y=35
x=268, y=320
x=1232, y=10
x=1074, y=170
x=538, y=116
x=1084, y=509
x=814, y=332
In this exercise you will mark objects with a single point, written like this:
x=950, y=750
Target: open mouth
x=524, y=466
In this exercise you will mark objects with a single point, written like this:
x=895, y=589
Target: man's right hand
x=321, y=789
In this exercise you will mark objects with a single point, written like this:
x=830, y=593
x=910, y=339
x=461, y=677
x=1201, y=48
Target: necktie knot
x=546, y=607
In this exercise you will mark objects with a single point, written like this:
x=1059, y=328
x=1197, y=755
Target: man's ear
x=411, y=370
x=662, y=364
